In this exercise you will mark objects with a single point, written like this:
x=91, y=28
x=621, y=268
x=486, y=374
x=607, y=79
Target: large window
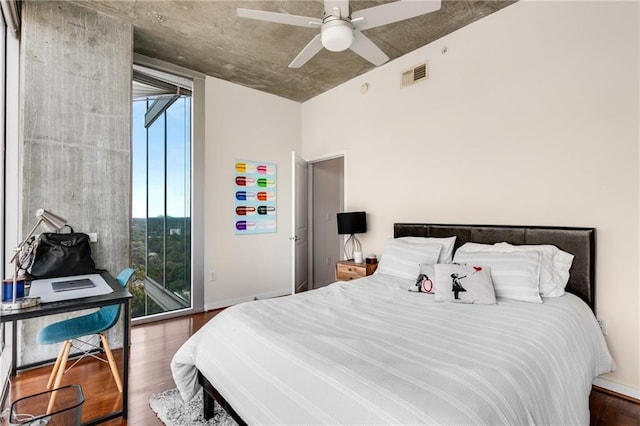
x=3, y=98
x=9, y=211
x=161, y=195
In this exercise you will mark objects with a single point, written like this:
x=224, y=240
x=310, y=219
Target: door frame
x=296, y=158
x=310, y=162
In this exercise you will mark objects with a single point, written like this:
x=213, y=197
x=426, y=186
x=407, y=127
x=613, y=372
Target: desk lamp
x=352, y=223
x=53, y=223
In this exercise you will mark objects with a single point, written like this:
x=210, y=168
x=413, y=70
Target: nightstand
x=349, y=270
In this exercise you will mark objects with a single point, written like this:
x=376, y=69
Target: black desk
x=119, y=296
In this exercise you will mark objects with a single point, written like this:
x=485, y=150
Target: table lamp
x=352, y=223
x=53, y=223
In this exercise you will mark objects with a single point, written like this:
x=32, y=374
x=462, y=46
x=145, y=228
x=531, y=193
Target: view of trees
x=161, y=251
x=161, y=188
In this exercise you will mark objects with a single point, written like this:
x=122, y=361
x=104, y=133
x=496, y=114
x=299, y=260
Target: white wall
x=245, y=124
x=531, y=117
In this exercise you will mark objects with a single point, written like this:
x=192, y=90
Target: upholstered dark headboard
x=578, y=241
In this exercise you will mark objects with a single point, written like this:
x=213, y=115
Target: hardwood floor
x=153, y=346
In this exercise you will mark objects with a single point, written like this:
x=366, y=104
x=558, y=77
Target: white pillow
x=464, y=284
x=515, y=275
x=554, y=273
x=402, y=259
x=554, y=267
x=446, y=254
x=426, y=280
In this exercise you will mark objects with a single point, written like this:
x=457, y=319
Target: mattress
x=369, y=351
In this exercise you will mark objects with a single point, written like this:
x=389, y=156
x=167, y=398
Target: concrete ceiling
x=207, y=36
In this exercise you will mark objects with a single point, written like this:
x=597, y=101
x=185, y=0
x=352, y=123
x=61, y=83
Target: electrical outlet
x=213, y=275
x=93, y=237
x=603, y=325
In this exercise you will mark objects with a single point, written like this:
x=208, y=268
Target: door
x=300, y=226
x=326, y=195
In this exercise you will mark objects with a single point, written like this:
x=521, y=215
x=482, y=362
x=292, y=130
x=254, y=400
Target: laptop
x=70, y=285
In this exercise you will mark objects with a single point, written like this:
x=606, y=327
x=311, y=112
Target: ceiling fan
x=341, y=30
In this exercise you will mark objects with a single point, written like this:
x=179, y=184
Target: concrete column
x=76, y=67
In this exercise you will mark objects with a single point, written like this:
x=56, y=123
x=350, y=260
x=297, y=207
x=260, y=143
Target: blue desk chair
x=86, y=325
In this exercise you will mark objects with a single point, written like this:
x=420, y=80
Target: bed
x=369, y=351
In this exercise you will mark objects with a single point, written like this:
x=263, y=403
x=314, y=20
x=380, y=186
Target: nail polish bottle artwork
x=266, y=196
x=266, y=183
x=255, y=197
x=245, y=167
x=247, y=210
x=245, y=225
x=266, y=210
x=245, y=196
x=245, y=181
x=266, y=170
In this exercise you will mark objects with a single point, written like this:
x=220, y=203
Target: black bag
x=60, y=255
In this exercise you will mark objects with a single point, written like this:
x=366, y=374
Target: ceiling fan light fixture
x=337, y=35
x=341, y=30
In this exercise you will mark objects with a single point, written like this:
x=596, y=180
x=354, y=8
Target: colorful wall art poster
x=255, y=197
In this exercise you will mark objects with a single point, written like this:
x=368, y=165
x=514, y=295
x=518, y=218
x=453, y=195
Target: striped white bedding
x=370, y=352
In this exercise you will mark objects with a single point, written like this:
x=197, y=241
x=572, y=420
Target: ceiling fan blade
x=394, y=12
x=342, y=5
x=280, y=18
x=307, y=53
x=367, y=49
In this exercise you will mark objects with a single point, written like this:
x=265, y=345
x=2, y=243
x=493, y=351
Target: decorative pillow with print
x=464, y=284
x=425, y=283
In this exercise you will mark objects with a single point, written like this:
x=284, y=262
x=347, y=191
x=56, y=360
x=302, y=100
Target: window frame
x=197, y=184
x=9, y=180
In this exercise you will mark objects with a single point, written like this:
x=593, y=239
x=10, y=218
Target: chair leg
x=56, y=366
x=61, y=367
x=112, y=361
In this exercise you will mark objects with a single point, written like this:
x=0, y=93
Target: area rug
x=173, y=411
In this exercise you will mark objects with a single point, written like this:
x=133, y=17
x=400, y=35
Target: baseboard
x=230, y=302
x=618, y=388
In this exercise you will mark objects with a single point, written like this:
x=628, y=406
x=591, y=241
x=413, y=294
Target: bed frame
x=578, y=241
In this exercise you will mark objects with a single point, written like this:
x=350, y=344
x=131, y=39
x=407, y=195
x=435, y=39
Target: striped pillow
x=446, y=253
x=402, y=259
x=515, y=275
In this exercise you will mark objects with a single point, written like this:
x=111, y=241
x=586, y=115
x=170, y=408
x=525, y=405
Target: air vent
x=414, y=75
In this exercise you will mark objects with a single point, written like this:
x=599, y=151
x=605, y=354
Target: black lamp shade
x=352, y=223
